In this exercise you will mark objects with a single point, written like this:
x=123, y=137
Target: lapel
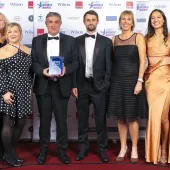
x=44, y=48
x=96, y=47
x=61, y=51
x=82, y=49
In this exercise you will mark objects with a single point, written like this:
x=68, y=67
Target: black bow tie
x=92, y=36
x=53, y=38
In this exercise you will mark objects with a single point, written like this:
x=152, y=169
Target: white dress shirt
x=53, y=46
x=89, y=46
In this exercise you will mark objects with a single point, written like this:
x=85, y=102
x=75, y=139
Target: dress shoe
x=42, y=158
x=81, y=155
x=103, y=156
x=11, y=161
x=63, y=157
x=20, y=160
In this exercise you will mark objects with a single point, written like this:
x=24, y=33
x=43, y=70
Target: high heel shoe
x=119, y=158
x=163, y=159
x=11, y=161
x=133, y=160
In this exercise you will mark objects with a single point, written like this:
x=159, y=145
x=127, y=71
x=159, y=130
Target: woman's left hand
x=138, y=88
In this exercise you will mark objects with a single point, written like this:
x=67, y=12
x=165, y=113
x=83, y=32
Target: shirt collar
x=58, y=35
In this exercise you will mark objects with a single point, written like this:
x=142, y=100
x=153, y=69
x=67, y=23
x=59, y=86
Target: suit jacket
x=68, y=50
x=102, y=62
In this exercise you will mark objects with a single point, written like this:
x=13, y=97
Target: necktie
x=92, y=36
x=53, y=38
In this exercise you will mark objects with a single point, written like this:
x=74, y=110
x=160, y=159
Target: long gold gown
x=157, y=83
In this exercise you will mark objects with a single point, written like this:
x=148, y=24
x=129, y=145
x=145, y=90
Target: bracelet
x=140, y=79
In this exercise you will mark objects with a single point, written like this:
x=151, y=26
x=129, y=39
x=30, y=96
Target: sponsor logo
x=44, y=5
x=28, y=32
x=79, y=4
x=108, y=32
x=73, y=18
x=142, y=7
x=2, y=5
x=40, y=18
x=17, y=18
x=160, y=6
x=40, y=31
x=63, y=4
x=141, y=19
x=76, y=32
x=31, y=18
x=111, y=18
x=16, y=4
x=30, y=4
x=115, y=5
x=129, y=4
x=95, y=5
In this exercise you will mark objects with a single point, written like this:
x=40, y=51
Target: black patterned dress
x=16, y=77
x=122, y=102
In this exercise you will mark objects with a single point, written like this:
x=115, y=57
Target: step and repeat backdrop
x=31, y=15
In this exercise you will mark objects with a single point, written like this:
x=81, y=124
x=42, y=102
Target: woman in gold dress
x=157, y=82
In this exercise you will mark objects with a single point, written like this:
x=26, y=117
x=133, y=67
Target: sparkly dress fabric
x=157, y=83
x=16, y=77
x=123, y=104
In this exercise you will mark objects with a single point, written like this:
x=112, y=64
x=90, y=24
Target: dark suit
x=93, y=90
x=53, y=95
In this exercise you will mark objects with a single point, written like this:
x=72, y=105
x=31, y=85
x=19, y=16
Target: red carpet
x=29, y=152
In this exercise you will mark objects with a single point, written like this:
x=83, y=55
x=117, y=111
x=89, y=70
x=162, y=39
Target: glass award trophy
x=56, y=65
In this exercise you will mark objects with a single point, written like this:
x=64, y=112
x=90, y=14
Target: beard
x=91, y=28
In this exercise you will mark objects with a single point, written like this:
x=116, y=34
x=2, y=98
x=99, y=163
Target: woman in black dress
x=3, y=24
x=15, y=91
x=127, y=99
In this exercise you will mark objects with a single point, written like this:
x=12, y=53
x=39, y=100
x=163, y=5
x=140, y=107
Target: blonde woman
x=127, y=95
x=15, y=85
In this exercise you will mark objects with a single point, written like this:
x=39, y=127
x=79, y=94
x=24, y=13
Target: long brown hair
x=151, y=30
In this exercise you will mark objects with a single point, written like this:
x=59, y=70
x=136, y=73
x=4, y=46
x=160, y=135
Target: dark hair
x=150, y=29
x=91, y=12
x=53, y=14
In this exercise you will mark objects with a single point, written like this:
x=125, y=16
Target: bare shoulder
x=140, y=39
x=140, y=36
x=25, y=49
x=3, y=52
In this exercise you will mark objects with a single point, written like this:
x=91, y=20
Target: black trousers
x=1, y=146
x=86, y=96
x=51, y=101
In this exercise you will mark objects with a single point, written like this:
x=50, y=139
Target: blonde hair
x=127, y=12
x=5, y=20
x=10, y=25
